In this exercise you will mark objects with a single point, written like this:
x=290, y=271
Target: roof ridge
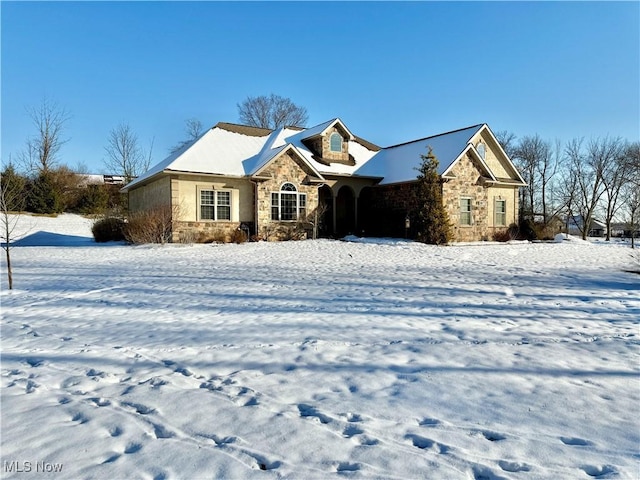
x=244, y=129
x=433, y=136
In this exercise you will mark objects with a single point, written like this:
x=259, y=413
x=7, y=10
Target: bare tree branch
x=271, y=112
x=41, y=150
x=124, y=156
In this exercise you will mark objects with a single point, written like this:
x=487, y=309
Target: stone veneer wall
x=285, y=168
x=385, y=208
x=467, y=184
x=322, y=146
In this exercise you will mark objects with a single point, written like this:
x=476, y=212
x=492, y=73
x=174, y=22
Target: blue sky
x=392, y=71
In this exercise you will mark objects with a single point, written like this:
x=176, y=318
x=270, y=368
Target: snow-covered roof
x=237, y=150
x=399, y=163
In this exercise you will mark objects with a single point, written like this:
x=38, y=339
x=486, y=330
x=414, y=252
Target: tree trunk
x=9, y=272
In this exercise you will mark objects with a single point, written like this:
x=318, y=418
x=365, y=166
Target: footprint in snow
x=352, y=430
x=112, y=458
x=601, y=471
x=139, y=408
x=311, y=411
x=345, y=467
x=428, y=422
x=100, y=402
x=160, y=431
x=35, y=362
x=493, y=436
x=133, y=448
x=263, y=463
x=483, y=473
x=115, y=431
x=424, y=443
x=575, y=441
x=80, y=418
x=514, y=467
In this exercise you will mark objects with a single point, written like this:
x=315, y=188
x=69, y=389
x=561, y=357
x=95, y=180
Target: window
x=335, y=142
x=288, y=205
x=465, y=211
x=482, y=150
x=501, y=213
x=215, y=205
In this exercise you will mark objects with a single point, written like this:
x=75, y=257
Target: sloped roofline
x=243, y=129
x=281, y=150
x=317, y=131
x=434, y=136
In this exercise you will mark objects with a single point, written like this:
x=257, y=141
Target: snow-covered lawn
x=318, y=359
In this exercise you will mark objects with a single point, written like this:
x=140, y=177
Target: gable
x=496, y=159
x=287, y=163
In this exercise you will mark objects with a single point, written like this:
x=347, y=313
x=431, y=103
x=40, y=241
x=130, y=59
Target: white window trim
x=298, y=208
x=470, y=211
x=495, y=212
x=215, y=204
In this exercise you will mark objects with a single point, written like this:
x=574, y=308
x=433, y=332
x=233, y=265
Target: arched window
x=288, y=205
x=335, y=142
x=481, y=150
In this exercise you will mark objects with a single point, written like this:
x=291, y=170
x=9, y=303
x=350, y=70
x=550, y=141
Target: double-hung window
x=465, y=211
x=215, y=205
x=288, y=204
x=501, y=213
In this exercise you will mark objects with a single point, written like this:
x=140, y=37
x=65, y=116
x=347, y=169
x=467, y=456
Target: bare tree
x=615, y=177
x=124, y=155
x=271, y=112
x=507, y=141
x=193, y=130
x=588, y=168
x=631, y=189
x=11, y=204
x=41, y=150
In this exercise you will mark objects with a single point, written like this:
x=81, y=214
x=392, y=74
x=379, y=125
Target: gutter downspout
x=255, y=206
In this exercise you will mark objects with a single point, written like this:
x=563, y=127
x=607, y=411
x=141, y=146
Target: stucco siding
x=493, y=157
x=154, y=194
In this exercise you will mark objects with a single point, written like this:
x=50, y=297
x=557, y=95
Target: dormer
x=329, y=142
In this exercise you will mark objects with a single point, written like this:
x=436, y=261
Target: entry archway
x=345, y=212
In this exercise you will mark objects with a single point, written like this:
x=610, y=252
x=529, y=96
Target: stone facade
x=321, y=146
x=285, y=169
x=467, y=184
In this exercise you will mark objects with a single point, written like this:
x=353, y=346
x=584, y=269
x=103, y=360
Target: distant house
x=99, y=179
x=325, y=176
x=575, y=226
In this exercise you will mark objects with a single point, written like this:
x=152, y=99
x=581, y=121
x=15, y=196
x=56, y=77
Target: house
x=575, y=226
x=328, y=179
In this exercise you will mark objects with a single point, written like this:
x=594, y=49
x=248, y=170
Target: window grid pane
x=302, y=206
x=206, y=212
x=288, y=206
x=465, y=211
x=275, y=206
x=501, y=212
